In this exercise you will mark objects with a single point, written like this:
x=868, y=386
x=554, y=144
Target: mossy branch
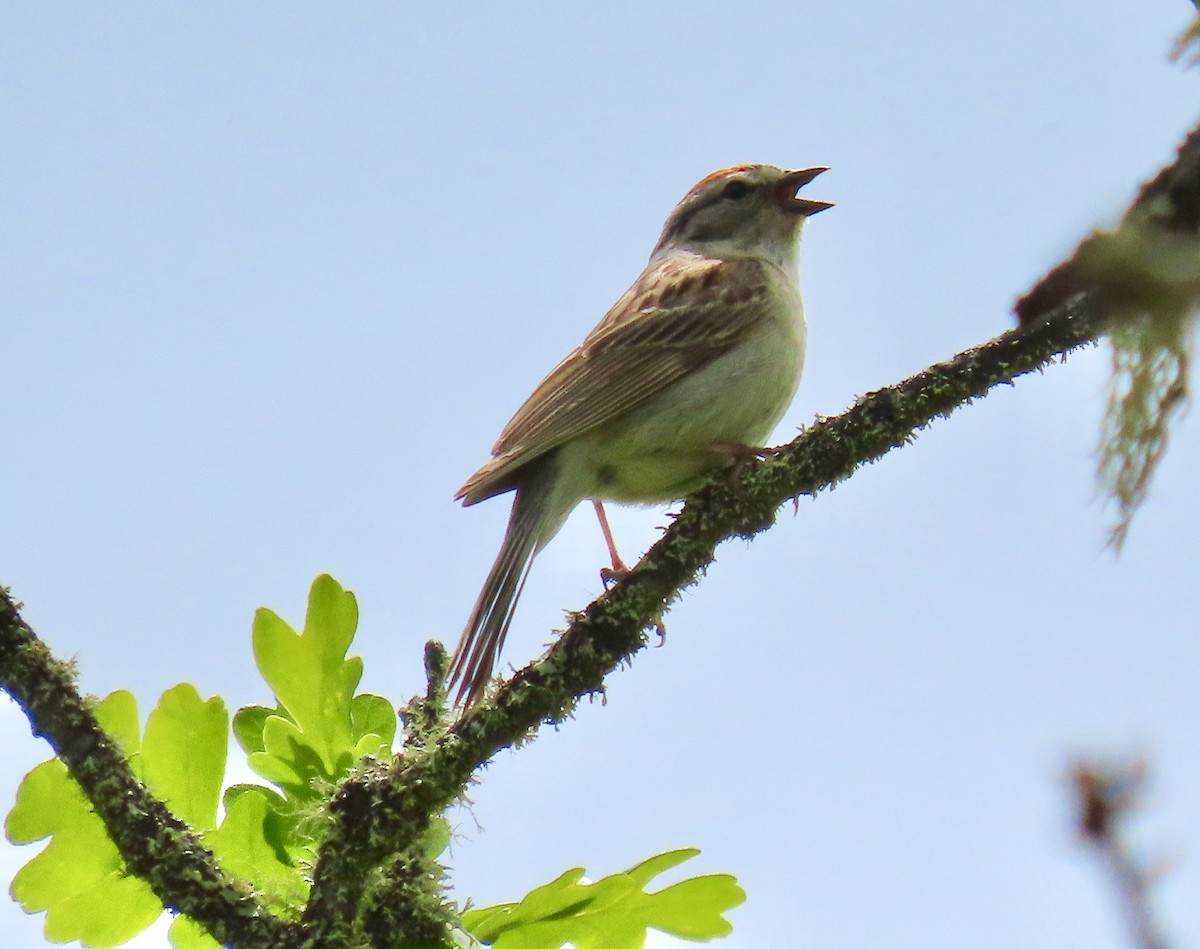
x=377, y=810
x=155, y=844
x=1144, y=275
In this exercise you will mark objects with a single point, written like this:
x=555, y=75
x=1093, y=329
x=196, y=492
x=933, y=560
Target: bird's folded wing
x=679, y=316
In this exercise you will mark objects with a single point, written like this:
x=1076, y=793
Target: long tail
x=481, y=641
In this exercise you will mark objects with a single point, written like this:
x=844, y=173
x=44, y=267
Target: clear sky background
x=274, y=276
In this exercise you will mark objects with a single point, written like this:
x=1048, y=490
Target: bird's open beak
x=789, y=200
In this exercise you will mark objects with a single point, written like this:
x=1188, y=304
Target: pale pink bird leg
x=619, y=569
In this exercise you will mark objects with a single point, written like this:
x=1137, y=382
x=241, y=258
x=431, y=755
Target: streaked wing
x=680, y=315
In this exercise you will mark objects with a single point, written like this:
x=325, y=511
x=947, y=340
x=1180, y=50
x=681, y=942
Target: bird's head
x=744, y=211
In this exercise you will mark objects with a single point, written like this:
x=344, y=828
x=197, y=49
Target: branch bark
x=1166, y=210
x=155, y=844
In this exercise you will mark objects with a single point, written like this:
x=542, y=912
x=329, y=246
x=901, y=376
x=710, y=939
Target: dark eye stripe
x=735, y=190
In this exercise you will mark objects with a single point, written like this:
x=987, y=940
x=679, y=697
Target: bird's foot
x=617, y=572
x=741, y=455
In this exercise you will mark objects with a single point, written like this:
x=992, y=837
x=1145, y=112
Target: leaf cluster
x=267, y=836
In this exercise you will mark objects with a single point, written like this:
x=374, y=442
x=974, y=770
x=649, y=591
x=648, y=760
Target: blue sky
x=275, y=276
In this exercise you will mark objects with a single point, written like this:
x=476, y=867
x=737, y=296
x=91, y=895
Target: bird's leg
x=619, y=569
x=739, y=455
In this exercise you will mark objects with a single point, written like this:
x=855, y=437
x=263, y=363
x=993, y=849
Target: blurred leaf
x=1146, y=272
x=1187, y=44
x=612, y=913
x=1148, y=389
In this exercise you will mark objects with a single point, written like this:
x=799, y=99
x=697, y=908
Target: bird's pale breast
x=667, y=446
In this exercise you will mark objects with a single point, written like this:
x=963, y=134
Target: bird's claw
x=613, y=574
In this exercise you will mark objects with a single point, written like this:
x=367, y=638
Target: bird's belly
x=666, y=447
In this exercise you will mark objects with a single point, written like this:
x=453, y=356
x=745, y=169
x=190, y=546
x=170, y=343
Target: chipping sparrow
x=691, y=369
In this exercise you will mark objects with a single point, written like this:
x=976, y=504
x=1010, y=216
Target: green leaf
x=248, y=725
x=110, y=912
x=45, y=799
x=659, y=864
x=320, y=729
x=612, y=913
x=186, y=933
x=693, y=909
x=79, y=879
x=317, y=732
x=250, y=846
x=48, y=798
x=373, y=725
x=278, y=824
x=118, y=716
x=184, y=752
x=297, y=766
x=310, y=674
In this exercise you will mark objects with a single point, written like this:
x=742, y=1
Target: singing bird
x=690, y=370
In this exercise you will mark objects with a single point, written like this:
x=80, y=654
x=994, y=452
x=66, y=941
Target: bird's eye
x=735, y=190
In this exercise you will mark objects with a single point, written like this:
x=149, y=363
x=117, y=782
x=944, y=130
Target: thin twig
x=1107, y=795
